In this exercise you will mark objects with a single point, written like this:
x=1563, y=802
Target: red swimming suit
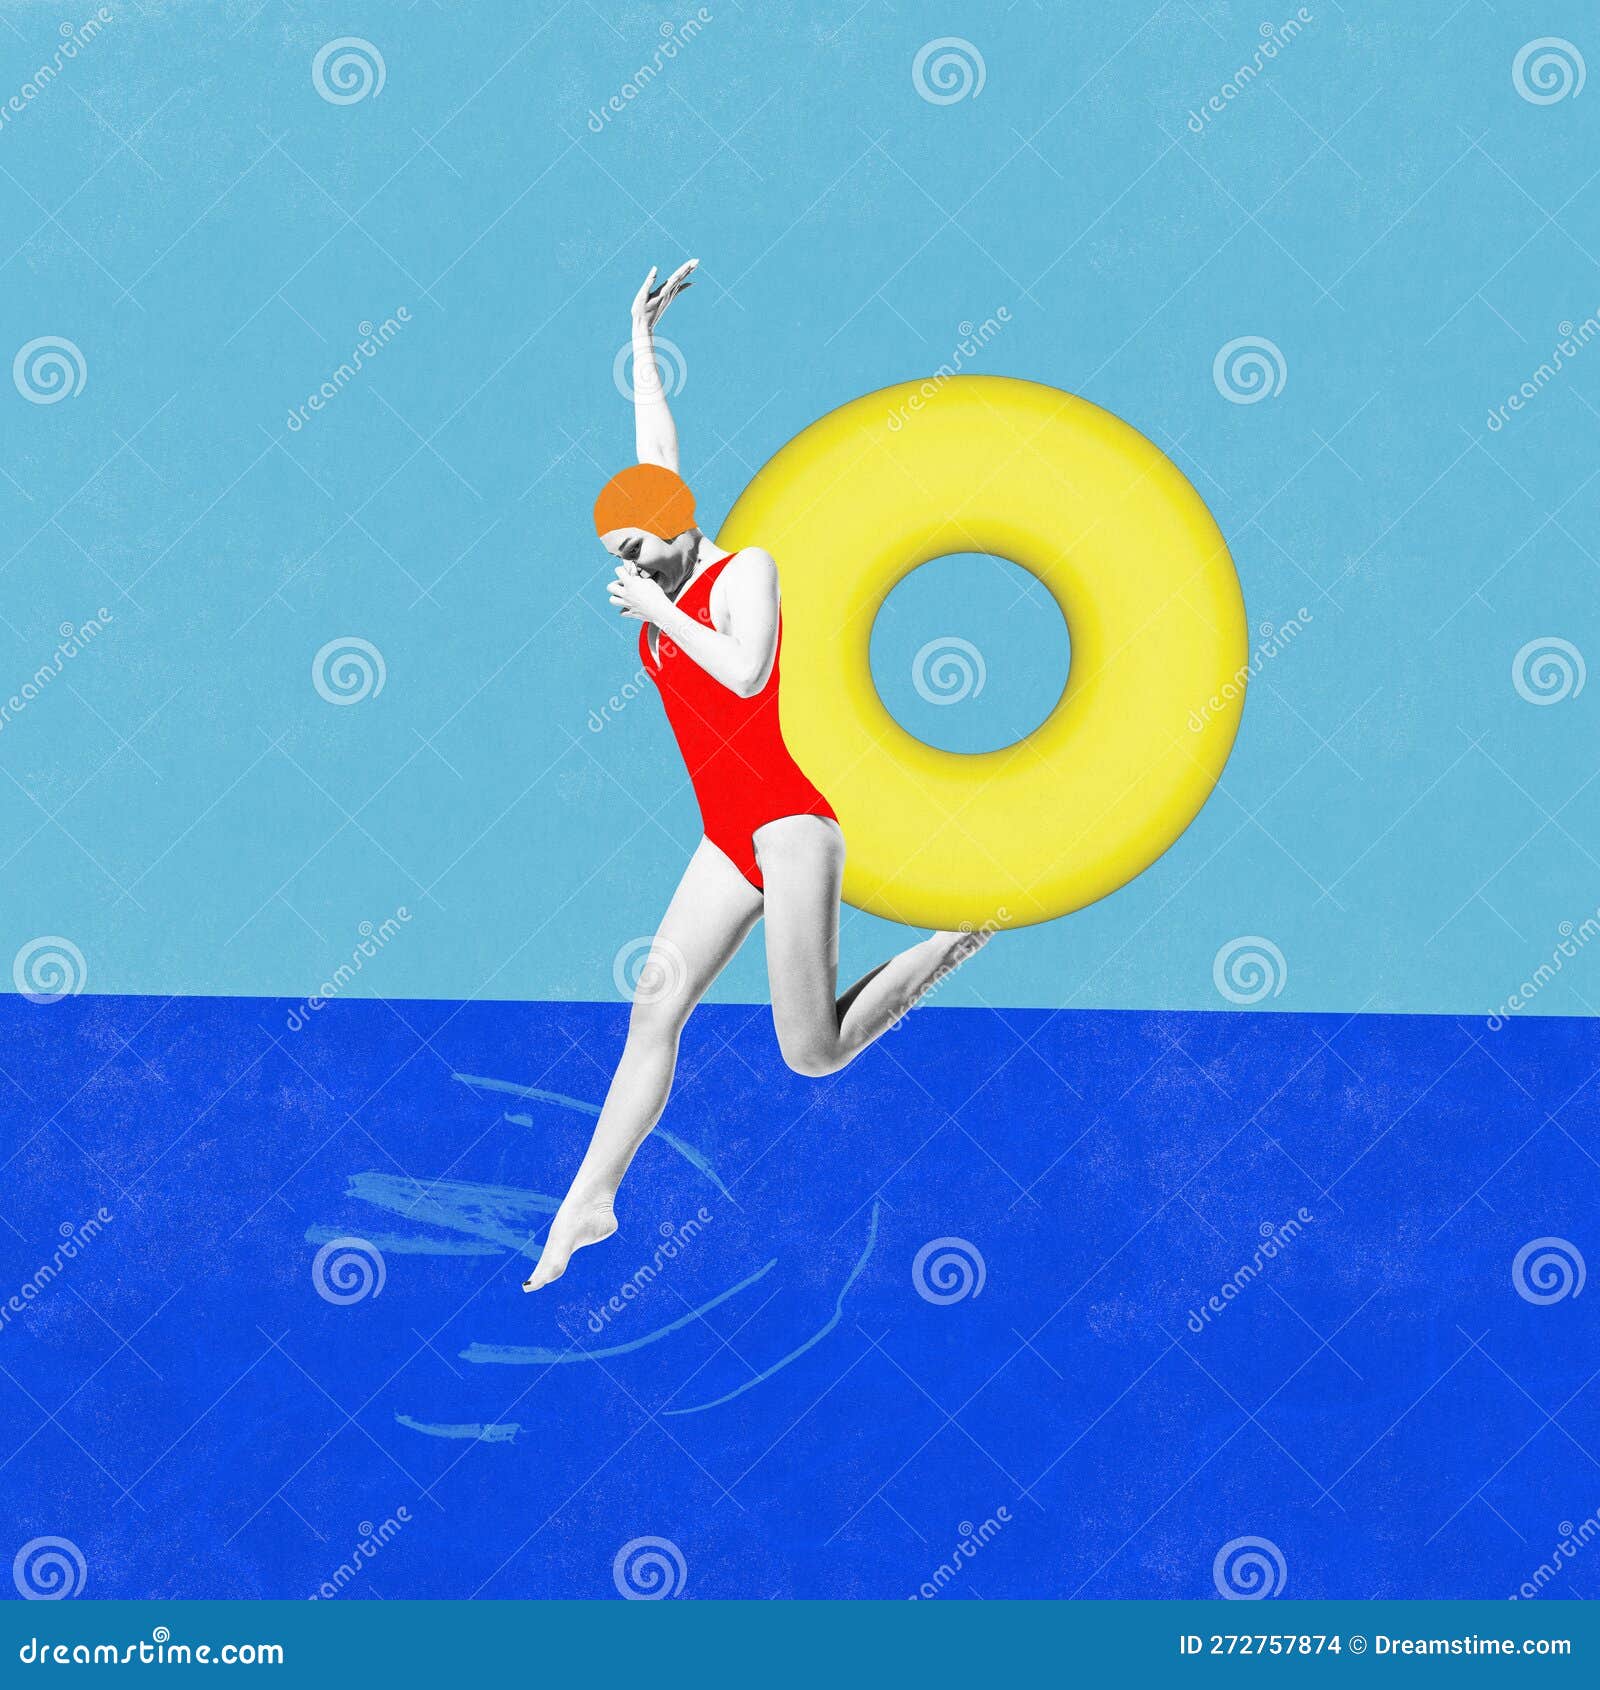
x=733, y=748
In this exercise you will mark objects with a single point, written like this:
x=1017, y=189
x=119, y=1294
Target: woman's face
x=668, y=562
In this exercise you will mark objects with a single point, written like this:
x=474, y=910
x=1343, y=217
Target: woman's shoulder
x=750, y=564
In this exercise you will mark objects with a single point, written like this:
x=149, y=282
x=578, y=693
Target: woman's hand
x=651, y=301
x=638, y=596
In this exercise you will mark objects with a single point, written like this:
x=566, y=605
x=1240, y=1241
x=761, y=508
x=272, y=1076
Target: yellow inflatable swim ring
x=1142, y=575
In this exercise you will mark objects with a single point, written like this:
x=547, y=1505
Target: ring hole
x=970, y=653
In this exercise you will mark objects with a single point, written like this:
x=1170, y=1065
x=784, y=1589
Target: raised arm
x=655, y=435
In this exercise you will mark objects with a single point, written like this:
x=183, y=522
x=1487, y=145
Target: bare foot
x=576, y=1224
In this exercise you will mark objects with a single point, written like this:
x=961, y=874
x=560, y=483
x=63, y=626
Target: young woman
x=772, y=845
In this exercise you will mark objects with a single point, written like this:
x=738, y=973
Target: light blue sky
x=181, y=204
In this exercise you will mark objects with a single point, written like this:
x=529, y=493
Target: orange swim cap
x=645, y=496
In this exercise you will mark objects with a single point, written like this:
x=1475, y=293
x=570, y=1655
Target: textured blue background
x=182, y=205
x=1380, y=1403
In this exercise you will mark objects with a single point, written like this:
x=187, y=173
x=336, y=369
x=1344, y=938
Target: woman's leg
x=708, y=919
x=802, y=863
